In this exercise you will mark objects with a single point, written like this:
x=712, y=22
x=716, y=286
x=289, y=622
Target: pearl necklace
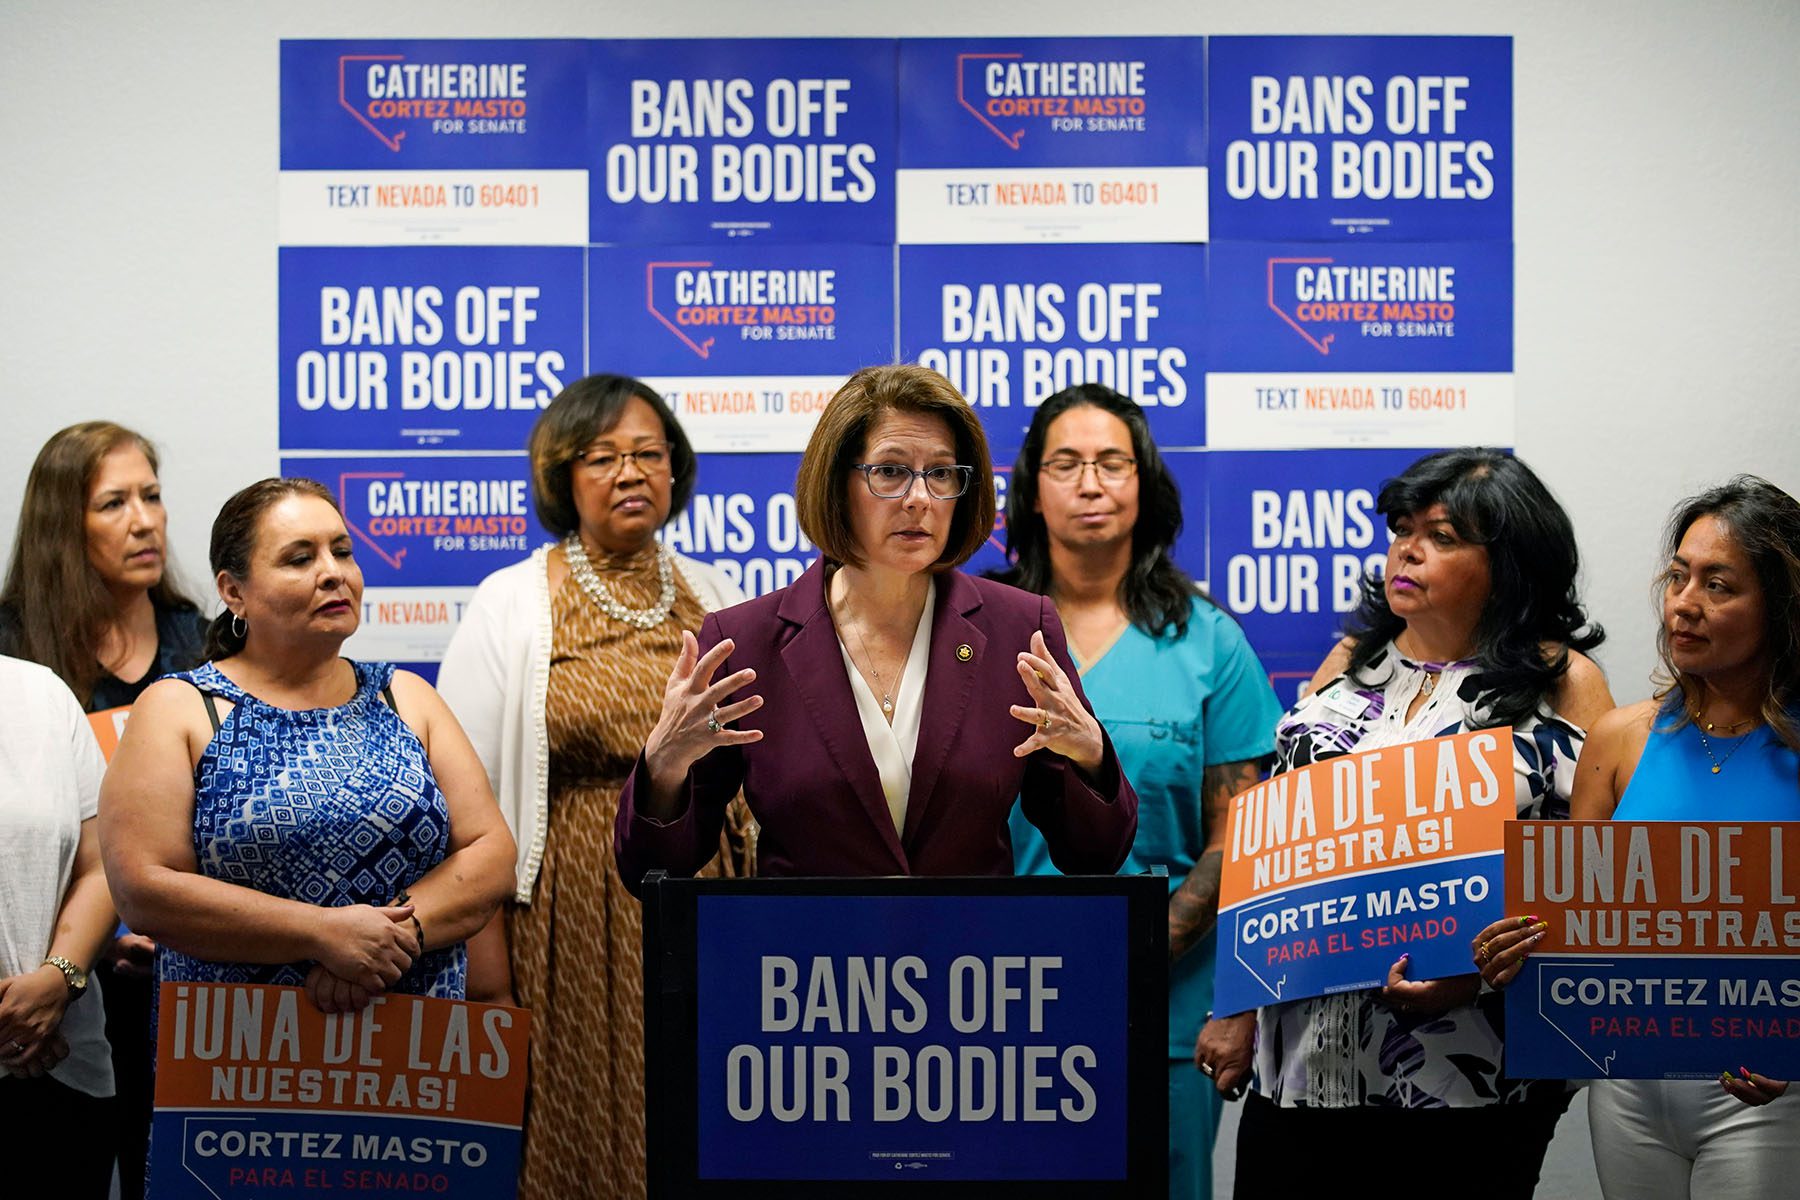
x=640, y=618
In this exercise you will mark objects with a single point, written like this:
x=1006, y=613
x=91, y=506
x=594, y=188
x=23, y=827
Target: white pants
x=1691, y=1140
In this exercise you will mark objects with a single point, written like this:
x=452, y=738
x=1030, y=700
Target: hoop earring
x=239, y=626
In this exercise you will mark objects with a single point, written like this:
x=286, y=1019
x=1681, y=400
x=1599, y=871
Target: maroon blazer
x=812, y=783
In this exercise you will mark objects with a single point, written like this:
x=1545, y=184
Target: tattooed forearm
x=1194, y=906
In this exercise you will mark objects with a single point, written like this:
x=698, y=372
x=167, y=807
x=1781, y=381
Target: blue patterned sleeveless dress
x=328, y=806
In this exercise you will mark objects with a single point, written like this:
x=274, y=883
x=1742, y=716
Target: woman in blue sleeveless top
x=1720, y=742
x=285, y=816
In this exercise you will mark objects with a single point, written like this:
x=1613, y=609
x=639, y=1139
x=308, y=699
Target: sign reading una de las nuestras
x=259, y=1094
x=1335, y=870
x=912, y=1037
x=1669, y=953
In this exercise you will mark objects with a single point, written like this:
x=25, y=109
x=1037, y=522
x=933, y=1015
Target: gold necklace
x=887, y=693
x=1703, y=727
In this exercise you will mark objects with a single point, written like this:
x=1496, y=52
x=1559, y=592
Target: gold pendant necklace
x=1704, y=727
x=887, y=693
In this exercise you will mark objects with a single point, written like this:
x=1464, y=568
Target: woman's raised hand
x=365, y=946
x=1063, y=726
x=1501, y=949
x=692, y=724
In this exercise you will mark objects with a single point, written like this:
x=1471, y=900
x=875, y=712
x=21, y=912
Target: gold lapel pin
x=965, y=652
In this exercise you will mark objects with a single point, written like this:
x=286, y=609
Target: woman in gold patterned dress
x=557, y=673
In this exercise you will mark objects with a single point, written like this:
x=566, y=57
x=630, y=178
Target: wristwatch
x=74, y=976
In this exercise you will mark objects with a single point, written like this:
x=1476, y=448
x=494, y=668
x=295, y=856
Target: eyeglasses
x=604, y=462
x=1111, y=468
x=891, y=481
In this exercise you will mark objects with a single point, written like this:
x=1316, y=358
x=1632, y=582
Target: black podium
x=983, y=1037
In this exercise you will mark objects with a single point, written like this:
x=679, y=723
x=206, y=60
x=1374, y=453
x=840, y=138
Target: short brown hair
x=580, y=413
x=841, y=435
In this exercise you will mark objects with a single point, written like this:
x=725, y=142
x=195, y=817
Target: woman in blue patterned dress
x=1474, y=624
x=282, y=815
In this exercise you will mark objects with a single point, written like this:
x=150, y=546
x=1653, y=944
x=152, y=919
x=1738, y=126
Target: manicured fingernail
x=1724, y=1076
x=1541, y=926
x=1745, y=1071
x=1404, y=957
x=1524, y=921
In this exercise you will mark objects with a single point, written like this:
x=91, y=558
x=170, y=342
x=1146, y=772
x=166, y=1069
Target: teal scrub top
x=1173, y=708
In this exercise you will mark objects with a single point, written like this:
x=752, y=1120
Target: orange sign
x=1657, y=887
x=109, y=727
x=1374, y=810
x=225, y=1046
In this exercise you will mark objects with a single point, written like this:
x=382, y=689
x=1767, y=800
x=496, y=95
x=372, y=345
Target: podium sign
x=970, y=1036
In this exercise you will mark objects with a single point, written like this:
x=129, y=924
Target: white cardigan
x=495, y=674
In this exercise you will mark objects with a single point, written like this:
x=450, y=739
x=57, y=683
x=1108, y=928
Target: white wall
x=1658, y=264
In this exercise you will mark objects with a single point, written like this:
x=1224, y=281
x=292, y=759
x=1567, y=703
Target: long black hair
x=1157, y=595
x=1765, y=523
x=1533, y=615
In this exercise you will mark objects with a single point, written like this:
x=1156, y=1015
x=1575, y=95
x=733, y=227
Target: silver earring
x=239, y=627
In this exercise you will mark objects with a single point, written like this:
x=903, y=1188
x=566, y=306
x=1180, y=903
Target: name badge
x=1341, y=700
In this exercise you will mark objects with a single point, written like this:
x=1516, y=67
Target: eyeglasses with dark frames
x=603, y=462
x=1111, y=468
x=891, y=481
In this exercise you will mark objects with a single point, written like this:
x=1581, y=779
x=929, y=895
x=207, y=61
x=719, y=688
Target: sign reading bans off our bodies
x=1669, y=950
x=951, y=1037
x=1335, y=870
x=258, y=1093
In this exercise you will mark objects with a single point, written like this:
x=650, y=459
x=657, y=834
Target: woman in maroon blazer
x=882, y=712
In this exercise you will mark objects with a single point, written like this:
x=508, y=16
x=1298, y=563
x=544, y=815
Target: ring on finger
x=1481, y=952
x=712, y=722
x=1206, y=1069
x=1044, y=724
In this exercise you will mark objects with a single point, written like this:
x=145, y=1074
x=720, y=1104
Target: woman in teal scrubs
x=1091, y=517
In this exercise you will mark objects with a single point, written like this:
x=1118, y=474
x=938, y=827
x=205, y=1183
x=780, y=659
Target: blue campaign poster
x=706, y=140
x=1369, y=307
x=401, y=103
x=741, y=309
x=1387, y=138
x=1188, y=468
x=1292, y=535
x=425, y=531
x=986, y=1040
x=431, y=522
x=1052, y=102
x=742, y=520
x=1012, y=325
x=396, y=348
x=746, y=341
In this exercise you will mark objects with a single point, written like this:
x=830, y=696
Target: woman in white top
x=556, y=673
x=55, y=918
